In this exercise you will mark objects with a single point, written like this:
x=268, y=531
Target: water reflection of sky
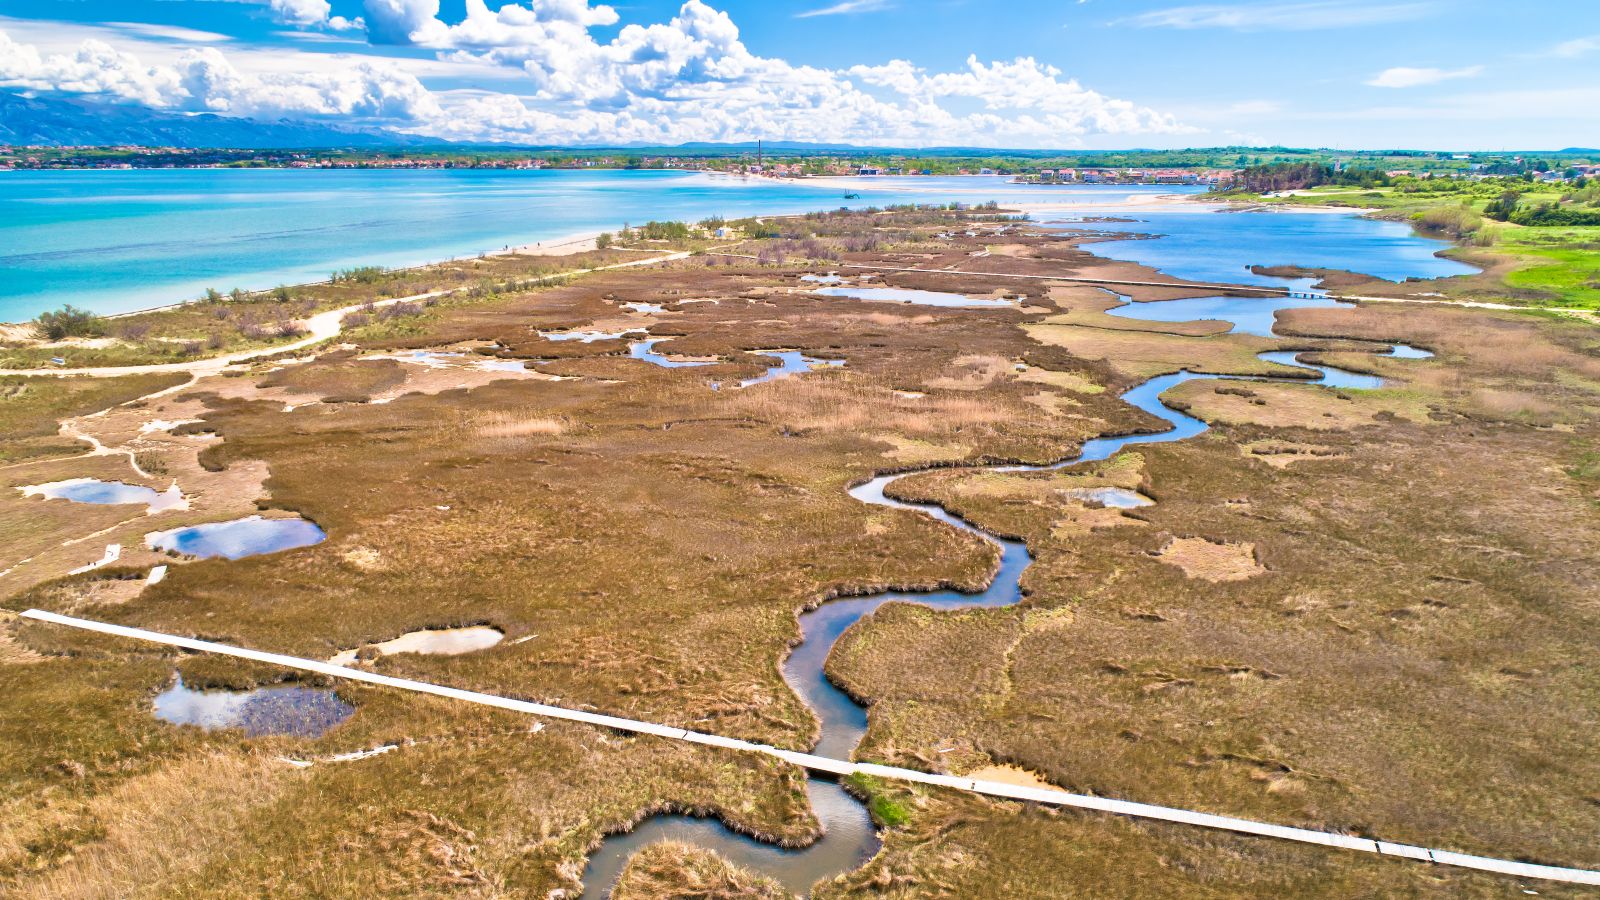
x=239, y=538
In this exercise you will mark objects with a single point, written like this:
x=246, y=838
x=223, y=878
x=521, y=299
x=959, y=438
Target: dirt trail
x=320, y=327
x=1588, y=315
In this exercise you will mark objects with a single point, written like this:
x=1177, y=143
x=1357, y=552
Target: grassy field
x=1564, y=262
x=1410, y=659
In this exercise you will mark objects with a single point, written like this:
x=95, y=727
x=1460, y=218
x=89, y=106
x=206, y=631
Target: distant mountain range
x=55, y=122
x=78, y=122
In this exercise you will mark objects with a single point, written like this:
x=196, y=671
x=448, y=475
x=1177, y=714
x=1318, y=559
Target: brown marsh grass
x=1413, y=664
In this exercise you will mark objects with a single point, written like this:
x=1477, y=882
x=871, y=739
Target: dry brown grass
x=514, y=424
x=842, y=404
x=1327, y=694
x=973, y=372
x=644, y=543
x=1274, y=405
x=674, y=871
x=1212, y=560
x=1138, y=355
x=149, y=831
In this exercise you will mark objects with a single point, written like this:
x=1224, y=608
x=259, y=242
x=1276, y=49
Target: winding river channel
x=849, y=839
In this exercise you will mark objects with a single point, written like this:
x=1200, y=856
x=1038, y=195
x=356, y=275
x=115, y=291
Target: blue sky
x=1437, y=74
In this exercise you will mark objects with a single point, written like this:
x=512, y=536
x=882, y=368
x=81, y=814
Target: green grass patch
x=887, y=810
x=1564, y=262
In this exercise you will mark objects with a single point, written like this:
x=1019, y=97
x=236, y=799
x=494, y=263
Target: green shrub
x=70, y=321
x=360, y=275
x=1457, y=221
x=664, y=231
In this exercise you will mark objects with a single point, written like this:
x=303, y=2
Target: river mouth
x=252, y=536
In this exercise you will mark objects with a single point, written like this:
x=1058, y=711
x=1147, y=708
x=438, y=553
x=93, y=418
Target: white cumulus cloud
x=310, y=14
x=94, y=68
x=541, y=75
x=203, y=80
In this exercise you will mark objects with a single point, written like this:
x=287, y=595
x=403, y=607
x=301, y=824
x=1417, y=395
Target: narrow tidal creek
x=849, y=839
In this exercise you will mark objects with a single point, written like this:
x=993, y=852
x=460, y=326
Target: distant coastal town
x=1211, y=167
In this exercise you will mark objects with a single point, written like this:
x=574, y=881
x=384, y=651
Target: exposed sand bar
x=843, y=767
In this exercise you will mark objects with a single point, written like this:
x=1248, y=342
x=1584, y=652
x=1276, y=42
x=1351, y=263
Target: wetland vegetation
x=1333, y=608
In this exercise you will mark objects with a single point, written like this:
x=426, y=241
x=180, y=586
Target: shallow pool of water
x=790, y=362
x=920, y=298
x=1406, y=351
x=280, y=709
x=646, y=350
x=1113, y=497
x=586, y=337
x=92, y=490
x=434, y=642
x=1247, y=315
x=242, y=537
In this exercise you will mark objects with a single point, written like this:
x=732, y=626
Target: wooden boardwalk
x=1079, y=279
x=840, y=767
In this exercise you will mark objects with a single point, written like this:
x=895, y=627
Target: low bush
x=70, y=321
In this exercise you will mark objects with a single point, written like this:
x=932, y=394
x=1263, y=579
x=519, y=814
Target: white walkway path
x=843, y=767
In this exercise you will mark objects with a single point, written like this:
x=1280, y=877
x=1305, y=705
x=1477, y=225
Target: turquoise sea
x=119, y=240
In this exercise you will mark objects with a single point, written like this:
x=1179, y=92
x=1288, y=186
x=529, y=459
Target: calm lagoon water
x=1201, y=244
x=114, y=241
